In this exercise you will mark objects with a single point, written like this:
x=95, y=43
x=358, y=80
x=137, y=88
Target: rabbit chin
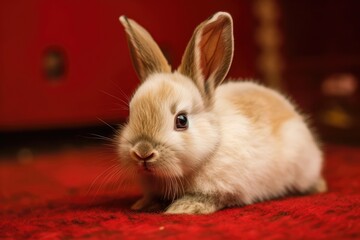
x=160, y=169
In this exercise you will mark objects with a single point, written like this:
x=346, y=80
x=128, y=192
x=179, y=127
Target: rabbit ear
x=146, y=55
x=208, y=56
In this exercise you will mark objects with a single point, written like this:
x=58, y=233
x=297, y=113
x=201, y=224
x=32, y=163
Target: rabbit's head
x=171, y=129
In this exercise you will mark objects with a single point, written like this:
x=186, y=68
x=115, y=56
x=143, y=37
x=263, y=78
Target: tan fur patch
x=173, y=108
x=263, y=108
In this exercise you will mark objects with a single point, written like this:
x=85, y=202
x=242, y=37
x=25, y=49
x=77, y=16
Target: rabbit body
x=201, y=145
x=266, y=149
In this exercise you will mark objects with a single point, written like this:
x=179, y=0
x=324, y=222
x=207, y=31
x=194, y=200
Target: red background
x=98, y=67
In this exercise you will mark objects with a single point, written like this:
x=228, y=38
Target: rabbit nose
x=143, y=151
x=142, y=157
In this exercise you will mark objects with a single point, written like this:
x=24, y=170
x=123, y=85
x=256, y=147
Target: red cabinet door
x=93, y=74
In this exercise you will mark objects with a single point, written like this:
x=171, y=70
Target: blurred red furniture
x=322, y=72
x=66, y=63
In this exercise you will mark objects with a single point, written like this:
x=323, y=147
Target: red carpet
x=46, y=197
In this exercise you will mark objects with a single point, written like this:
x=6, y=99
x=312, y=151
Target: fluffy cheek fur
x=199, y=142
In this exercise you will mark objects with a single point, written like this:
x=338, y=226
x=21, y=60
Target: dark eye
x=181, y=122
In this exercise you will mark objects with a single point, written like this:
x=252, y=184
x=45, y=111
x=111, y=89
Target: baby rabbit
x=201, y=145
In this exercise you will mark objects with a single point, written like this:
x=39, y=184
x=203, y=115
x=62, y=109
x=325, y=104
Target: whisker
x=104, y=182
x=100, y=137
x=117, y=98
x=121, y=91
x=165, y=183
x=112, y=178
x=104, y=173
x=107, y=124
x=122, y=178
x=173, y=184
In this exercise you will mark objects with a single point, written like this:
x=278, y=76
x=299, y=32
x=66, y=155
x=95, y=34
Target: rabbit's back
x=262, y=106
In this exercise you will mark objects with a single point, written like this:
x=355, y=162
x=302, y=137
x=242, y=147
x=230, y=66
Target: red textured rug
x=47, y=196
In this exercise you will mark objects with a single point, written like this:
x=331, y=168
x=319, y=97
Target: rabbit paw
x=192, y=205
x=319, y=187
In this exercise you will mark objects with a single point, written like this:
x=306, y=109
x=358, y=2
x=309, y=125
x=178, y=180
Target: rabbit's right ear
x=146, y=55
x=209, y=54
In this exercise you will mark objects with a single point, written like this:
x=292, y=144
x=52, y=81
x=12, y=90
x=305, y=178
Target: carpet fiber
x=49, y=196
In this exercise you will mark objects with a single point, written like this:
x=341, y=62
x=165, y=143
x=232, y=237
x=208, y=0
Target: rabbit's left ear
x=146, y=55
x=209, y=54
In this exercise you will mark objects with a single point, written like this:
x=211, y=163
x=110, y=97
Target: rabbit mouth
x=147, y=168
